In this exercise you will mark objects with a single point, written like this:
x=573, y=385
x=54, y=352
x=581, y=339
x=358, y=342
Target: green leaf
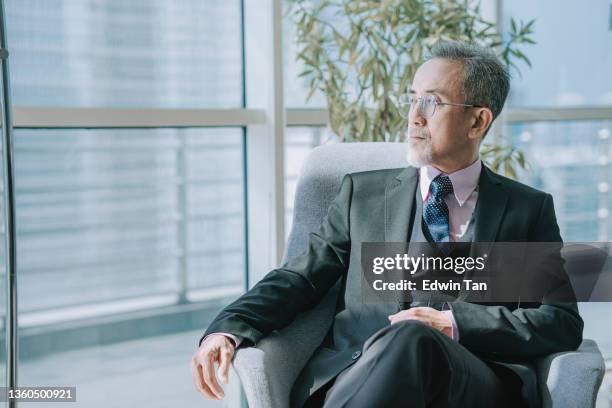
x=353, y=58
x=313, y=88
x=305, y=73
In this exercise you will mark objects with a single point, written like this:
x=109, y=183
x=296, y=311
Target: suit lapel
x=490, y=207
x=399, y=199
x=488, y=214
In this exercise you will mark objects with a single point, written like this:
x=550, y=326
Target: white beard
x=421, y=155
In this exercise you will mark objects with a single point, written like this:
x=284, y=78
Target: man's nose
x=415, y=118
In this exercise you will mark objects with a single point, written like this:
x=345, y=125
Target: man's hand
x=430, y=316
x=215, y=349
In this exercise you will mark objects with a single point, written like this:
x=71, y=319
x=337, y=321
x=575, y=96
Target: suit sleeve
x=544, y=328
x=299, y=284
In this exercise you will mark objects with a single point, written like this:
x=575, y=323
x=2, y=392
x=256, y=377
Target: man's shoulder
x=378, y=177
x=375, y=180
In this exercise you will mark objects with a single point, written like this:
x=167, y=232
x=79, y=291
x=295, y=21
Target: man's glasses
x=426, y=104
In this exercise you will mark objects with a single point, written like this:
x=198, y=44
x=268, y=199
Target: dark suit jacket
x=375, y=206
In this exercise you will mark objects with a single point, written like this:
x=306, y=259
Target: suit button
x=356, y=355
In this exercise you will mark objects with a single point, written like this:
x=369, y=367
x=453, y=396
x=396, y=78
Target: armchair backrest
x=320, y=179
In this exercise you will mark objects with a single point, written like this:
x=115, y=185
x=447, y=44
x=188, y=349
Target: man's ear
x=481, y=120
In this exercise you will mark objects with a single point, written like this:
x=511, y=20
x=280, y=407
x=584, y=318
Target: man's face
x=442, y=137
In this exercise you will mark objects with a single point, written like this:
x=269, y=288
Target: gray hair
x=486, y=81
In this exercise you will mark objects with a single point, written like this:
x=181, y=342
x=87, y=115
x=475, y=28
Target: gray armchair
x=268, y=370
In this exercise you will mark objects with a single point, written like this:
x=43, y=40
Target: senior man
x=460, y=354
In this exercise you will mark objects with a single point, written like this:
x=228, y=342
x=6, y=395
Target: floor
x=604, y=398
x=152, y=373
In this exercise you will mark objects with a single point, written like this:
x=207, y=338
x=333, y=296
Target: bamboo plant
x=362, y=56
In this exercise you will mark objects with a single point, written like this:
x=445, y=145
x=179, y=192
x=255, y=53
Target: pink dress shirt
x=461, y=205
x=462, y=202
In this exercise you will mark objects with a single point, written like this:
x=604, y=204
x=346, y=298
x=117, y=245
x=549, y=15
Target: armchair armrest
x=571, y=379
x=268, y=370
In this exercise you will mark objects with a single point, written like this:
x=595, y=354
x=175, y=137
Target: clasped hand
x=432, y=317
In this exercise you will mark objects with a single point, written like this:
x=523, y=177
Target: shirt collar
x=464, y=181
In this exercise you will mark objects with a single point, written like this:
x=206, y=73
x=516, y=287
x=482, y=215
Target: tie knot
x=441, y=186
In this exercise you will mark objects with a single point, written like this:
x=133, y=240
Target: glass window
x=571, y=160
x=3, y=268
x=116, y=229
x=570, y=67
x=116, y=53
x=296, y=87
x=118, y=210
